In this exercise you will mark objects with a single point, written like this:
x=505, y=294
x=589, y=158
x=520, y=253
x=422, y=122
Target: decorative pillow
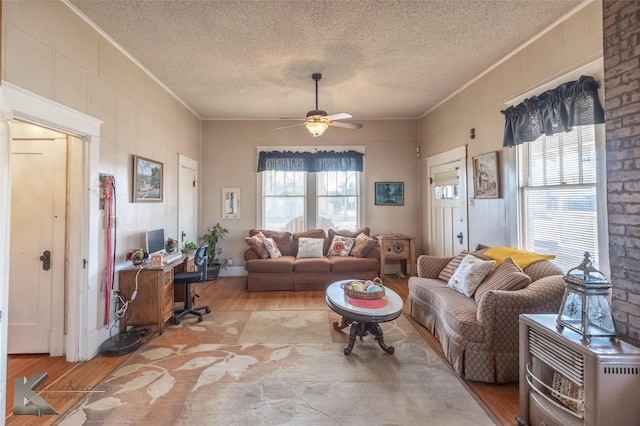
x=312, y=233
x=362, y=245
x=284, y=240
x=470, y=274
x=310, y=247
x=340, y=246
x=257, y=244
x=272, y=248
x=447, y=272
x=344, y=233
x=506, y=276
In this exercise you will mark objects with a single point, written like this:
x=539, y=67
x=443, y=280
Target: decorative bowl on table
x=361, y=289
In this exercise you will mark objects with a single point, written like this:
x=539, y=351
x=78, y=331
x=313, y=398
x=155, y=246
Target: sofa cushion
x=312, y=233
x=284, y=240
x=506, y=276
x=256, y=242
x=470, y=273
x=353, y=264
x=310, y=247
x=318, y=264
x=542, y=269
x=447, y=272
x=272, y=248
x=457, y=311
x=281, y=264
x=362, y=245
x=340, y=246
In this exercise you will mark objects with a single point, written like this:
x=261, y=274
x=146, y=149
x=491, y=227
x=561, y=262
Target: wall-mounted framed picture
x=486, y=176
x=389, y=194
x=147, y=180
x=231, y=203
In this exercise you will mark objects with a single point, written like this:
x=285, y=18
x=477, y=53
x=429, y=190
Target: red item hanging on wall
x=107, y=193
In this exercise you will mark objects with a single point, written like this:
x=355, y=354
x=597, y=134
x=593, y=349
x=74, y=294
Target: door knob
x=460, y=237
x=183, y=234
x=46, y=260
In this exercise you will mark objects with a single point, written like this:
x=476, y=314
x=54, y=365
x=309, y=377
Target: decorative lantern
x=586, y=307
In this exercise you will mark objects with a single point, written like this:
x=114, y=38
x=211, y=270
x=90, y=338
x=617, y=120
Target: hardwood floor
x=224, y=294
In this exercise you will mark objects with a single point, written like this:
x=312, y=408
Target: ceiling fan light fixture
x=317, y=128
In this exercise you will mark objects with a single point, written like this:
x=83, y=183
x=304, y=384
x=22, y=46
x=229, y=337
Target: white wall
x=50, y=51
x=573, y=43
x=230, y=156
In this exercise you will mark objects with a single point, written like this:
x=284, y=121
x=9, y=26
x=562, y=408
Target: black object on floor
x=121, y=344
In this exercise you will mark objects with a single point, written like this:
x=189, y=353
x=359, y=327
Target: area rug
x=280, y=368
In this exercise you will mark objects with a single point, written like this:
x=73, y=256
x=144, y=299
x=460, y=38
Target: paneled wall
x=569, y=45
x=50, y=51
x=229, y=151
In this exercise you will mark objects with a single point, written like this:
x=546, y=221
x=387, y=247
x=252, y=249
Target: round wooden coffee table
x=364, y=316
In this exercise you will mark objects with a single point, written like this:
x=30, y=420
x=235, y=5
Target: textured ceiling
x=379, y=59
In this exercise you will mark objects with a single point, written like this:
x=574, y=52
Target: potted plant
x=189, y=247
x=137, y=256
x=212, y=237
x=171, y=245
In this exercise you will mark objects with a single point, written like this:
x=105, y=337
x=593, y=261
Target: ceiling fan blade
x=339, y=116
x=291, y=125
x=346, y=125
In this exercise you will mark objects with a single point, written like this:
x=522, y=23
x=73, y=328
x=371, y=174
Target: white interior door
x=187, y=199
x=36, y=284
x=448, y=228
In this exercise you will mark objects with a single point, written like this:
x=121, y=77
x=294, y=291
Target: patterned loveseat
x=480, y=338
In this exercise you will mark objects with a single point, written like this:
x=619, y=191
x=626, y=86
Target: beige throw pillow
x=256, y=242
x=448, y=271
x=470, y=274
x=310, y=247
x=272, y=248
x=363, y=245
x=506, y=276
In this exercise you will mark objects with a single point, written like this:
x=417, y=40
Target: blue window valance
x=321, y=161
x=571, y=104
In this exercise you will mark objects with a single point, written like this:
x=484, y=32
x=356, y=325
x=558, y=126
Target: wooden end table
x=364, y=316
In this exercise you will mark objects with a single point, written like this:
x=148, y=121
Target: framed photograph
x=147, y=180
x=486, y=176
x=231, y=203
x=389, y=193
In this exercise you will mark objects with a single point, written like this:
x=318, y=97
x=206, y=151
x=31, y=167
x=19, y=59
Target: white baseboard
x=233, y=271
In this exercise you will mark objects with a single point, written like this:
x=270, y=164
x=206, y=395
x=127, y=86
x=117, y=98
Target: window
x=557, y=192
x=297, y=201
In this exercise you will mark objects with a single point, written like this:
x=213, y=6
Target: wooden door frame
x=188, y=162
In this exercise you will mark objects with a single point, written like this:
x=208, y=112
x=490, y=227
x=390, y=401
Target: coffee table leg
x=353, y=333
x=345, y=323
x=376, y=331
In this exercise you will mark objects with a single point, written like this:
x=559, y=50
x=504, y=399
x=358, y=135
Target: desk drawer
x=167, y=302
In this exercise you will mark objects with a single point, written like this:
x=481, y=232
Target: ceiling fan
x=317, y=120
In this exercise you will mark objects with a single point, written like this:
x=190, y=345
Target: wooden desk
x=401, y=247
x=154, y=300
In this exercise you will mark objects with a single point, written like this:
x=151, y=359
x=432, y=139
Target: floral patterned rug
x=280, y=368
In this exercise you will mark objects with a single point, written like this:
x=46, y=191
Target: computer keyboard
x=171, y=257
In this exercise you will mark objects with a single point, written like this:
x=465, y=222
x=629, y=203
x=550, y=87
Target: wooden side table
x=397, y=247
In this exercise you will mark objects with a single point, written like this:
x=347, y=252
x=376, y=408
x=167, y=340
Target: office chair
x=188, y=278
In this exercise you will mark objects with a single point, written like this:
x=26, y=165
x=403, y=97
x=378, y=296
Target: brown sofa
x=290, y=273
x=480, y=340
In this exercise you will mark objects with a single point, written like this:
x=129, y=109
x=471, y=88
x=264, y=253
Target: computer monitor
x=155, y=241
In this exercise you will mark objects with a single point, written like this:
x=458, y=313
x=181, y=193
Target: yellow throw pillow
x=522, y=258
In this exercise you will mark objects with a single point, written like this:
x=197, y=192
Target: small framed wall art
x=147, y=180
x=486, y=176
x=389, y=194
x=231, y=203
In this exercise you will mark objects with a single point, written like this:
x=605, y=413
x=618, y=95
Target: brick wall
x=621, y=34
